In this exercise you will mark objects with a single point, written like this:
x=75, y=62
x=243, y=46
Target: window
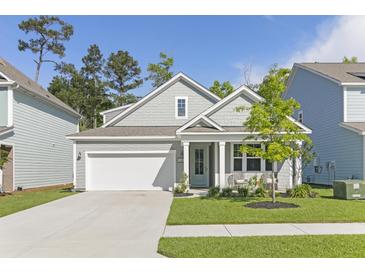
x=300, y=116
x=268, y=165
x=181, y=107
x=253, y=162
x=199, y=161
x=237, y=157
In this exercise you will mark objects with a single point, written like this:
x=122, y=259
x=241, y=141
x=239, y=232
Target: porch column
x=186, y=158
x=216, y=171
x=222, y=164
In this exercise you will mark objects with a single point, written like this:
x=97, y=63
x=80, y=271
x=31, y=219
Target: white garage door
x=130, y=171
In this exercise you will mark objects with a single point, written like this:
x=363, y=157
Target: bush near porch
x=232, y=210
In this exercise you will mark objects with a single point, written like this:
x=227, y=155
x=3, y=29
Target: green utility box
x=349, y=189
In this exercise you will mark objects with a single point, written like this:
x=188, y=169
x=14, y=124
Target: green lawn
x=26, y=199
x=233, y=211
x=324, y=246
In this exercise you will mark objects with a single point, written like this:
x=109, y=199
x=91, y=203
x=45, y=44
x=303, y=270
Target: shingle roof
x=127, y=131
x=358, y=126
x=4, y=129
x=22, y=80
x=337, y=71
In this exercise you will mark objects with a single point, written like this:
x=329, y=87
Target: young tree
x=221, y=90
x=269, y=122
x=49, y=34
x=160, y=72
x=123, y=74
x=4, y=155
x=352, y=60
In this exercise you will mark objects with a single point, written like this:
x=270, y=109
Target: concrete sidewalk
x=263, y=229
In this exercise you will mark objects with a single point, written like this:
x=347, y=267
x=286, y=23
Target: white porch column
x=216, y=171
x=186, y=158
x=222, y=164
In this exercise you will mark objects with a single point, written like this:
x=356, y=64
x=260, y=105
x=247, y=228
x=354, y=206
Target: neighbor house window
x=181, y=107
x=300, y=116
x=253, y=162
x=237, y=157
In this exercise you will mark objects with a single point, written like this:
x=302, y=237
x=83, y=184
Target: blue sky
x=204, y=47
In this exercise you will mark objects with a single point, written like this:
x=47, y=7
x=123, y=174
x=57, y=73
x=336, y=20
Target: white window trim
x=244, y=160
x=344, y=103
x=10, y=96
x=233, y=158
x=255, y=157
x=300, y=113
x=186, y=107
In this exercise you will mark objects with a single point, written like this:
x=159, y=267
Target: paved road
x=263, y=229
x=90, y=224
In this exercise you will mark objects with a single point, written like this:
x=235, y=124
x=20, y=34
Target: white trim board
x=155, y=92
x=6, y=132
x=114, y=109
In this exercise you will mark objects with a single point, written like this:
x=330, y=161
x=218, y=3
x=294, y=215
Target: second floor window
x=181, y=107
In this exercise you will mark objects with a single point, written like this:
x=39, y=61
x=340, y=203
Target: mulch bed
x=183, y=194
x=270, y=205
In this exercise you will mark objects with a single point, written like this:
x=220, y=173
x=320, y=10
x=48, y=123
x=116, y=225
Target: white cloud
x=336, y=38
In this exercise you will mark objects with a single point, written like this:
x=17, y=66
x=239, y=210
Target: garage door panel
x=130, y=171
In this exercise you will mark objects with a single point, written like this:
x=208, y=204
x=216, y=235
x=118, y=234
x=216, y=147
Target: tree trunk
x=273, y=184
x=37, y=72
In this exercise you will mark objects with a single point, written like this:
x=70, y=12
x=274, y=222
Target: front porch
x=220, y=163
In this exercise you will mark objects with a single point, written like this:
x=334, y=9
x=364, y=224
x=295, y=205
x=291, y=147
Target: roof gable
x=178, y=78
x=11, y=73
x=339, y=73
x=241, y=91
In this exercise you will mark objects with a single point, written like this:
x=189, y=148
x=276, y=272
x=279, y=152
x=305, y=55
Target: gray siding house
x=178, y=128
x=33, y=126
x=332, y=98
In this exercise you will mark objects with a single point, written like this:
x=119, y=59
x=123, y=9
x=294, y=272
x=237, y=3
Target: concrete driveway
x=90, y=224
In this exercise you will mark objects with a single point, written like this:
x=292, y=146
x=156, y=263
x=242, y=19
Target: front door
x=199, y=165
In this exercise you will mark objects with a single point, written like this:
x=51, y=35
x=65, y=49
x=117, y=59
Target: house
x=180, y=127
x=33, y=126
x=332, y=98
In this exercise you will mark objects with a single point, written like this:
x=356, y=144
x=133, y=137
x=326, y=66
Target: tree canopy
x=161, y=72
x=352, y=60
x=48, y=35
x=221, y=89
x=123, y=74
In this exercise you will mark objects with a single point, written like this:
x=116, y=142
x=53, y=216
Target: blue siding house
x=33, y=126
x=332, y=98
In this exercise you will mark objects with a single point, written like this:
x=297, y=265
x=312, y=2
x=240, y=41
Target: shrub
x=301, y=191
x=213, y=191
x=182, y=186
x=227, y=192
x=260, y=192
x=242, y=191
